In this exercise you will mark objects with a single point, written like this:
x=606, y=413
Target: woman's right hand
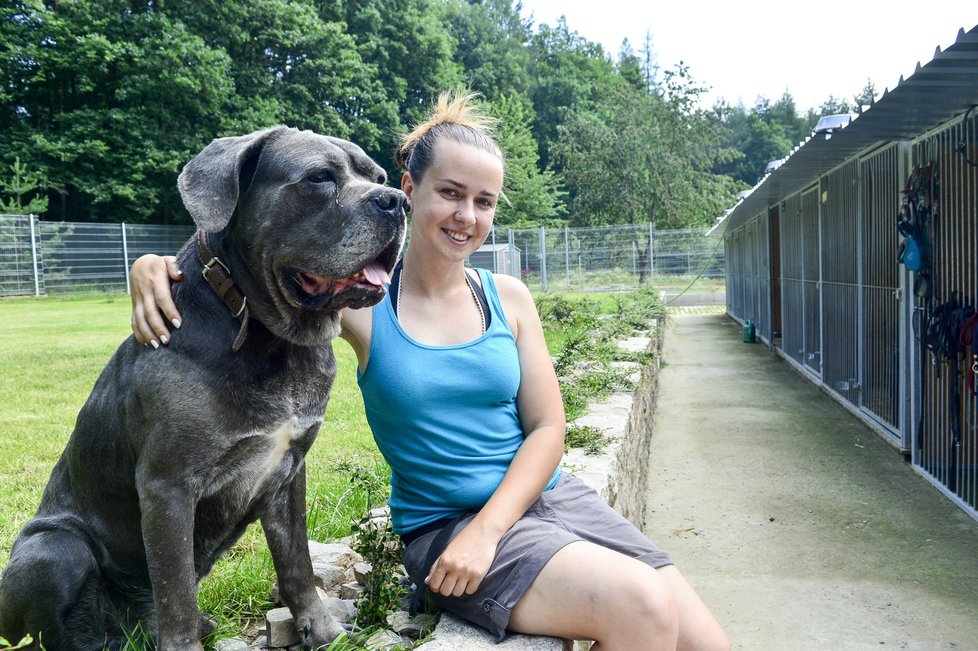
x=149, y=282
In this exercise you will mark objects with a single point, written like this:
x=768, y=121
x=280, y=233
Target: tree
x=865, y=97
x=491, y=45
x=22, y=184
x=410, y=54
x=568, y=72
x=532, y=195
x=637, y=155
x=104, y=102
x=629, y=67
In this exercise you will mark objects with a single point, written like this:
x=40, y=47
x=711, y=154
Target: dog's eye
x=321, y=177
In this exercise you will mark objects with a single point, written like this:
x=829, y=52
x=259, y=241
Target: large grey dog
x=176, y=451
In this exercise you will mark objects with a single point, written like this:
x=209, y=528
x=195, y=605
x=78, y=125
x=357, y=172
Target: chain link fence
x=41, y=257
x=600, y=258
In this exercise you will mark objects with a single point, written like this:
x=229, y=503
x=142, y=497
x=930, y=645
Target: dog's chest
x=261, y=460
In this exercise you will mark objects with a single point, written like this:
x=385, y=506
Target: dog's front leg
x=167, y=508
x=284, y=523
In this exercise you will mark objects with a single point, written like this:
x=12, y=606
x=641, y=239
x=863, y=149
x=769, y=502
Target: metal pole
x=125, y=258
x=543, y=257
x=651, y=253
x=511, y=256
x=495, y=262
x=37, y=279
x=567, y=254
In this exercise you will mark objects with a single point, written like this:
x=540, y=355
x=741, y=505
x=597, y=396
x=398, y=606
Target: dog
x=177, y=450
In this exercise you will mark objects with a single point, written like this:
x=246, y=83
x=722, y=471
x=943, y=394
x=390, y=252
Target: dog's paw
x=318, y=635
x=207, y=625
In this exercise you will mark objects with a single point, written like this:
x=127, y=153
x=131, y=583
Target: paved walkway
x=801, y=528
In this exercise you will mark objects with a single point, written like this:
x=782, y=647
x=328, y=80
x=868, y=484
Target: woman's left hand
x=464, y=563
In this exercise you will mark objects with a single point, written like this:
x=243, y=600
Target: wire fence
x=45, y=257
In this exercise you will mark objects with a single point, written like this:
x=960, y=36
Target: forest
x=103, y=101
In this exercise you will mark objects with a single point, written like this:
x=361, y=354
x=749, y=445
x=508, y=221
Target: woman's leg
x=590, y=592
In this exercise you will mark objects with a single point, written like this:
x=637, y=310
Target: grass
x=51, y=352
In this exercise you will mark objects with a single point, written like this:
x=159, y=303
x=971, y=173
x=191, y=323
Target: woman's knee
x=647, y=603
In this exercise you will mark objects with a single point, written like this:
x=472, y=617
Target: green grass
x=51, y=352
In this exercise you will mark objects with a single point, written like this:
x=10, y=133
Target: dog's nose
x=388, y=201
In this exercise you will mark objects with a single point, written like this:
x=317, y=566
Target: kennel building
x=856, y=259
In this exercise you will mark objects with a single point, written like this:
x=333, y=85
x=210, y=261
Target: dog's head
x=307, y=216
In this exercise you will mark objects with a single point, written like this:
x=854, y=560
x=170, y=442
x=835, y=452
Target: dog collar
x=218, y=276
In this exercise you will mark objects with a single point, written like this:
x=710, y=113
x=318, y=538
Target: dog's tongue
x=313, y=285
x=376, y=274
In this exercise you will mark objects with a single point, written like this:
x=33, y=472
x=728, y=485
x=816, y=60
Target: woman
x=464, y=405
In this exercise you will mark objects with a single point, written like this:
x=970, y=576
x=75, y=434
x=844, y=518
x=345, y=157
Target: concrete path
x=801, y=528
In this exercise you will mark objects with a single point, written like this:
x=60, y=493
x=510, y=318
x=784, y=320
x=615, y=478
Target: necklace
x=468, y=281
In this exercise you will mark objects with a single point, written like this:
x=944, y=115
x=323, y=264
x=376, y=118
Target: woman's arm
x=466, y=560
x=149, y=281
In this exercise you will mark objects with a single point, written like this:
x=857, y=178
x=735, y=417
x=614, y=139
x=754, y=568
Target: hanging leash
x=968, y=337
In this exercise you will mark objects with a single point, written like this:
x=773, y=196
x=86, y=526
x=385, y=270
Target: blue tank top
x=444, y=417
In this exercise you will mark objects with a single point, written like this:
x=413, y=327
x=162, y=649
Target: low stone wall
x=620, y=474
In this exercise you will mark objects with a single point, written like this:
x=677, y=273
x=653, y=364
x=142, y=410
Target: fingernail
x=164, y=339
x=176, y=323
x=154, y=343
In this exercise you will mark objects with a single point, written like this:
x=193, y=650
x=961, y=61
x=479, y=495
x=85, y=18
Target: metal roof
x=945, y=87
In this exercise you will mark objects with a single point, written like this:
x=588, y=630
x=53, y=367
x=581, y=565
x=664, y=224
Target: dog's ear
x=211, y=183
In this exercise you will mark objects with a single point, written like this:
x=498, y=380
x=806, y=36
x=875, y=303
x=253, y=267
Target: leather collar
x=218, y=276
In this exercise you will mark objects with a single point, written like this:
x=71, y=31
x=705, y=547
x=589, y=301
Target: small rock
x=411, y=627
x=330, y=576
x=280, y=628
x=383, y=639
x=342, y=610
x=230, y=644
x=360, y=572
x=332, y=554
x=351, y=590
x=380, y=513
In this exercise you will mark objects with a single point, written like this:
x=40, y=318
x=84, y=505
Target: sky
x=743, y=49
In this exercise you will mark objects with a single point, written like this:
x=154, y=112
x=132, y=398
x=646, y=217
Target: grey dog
x=177, y=450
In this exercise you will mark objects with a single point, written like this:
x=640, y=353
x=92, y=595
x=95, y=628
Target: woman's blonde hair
x=455, y=116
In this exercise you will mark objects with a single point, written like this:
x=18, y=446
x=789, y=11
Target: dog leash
x=218, y=276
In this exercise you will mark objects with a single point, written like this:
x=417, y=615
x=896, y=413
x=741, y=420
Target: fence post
x=37, y=279
x=651, y=253
x=125, y=258
x=543, y=257
x=495, y=262
x=511, y=258
x=567, y=254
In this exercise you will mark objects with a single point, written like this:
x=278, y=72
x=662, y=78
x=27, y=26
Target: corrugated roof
x=945, y=87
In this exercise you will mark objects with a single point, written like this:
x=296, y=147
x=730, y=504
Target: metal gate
x=881, y=339
x=840, y=281
x=946, y=436
x=800, y=280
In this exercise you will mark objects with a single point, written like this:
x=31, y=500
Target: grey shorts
x=569, y=512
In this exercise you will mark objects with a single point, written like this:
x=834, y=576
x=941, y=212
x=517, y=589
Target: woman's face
x=453, y=205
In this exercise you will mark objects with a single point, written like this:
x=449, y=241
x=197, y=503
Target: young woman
x=463, y=402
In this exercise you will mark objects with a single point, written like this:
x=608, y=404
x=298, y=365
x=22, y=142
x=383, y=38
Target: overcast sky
x=743, y=49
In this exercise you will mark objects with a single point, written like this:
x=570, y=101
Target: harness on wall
x=916, y=209
x=950, y=329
